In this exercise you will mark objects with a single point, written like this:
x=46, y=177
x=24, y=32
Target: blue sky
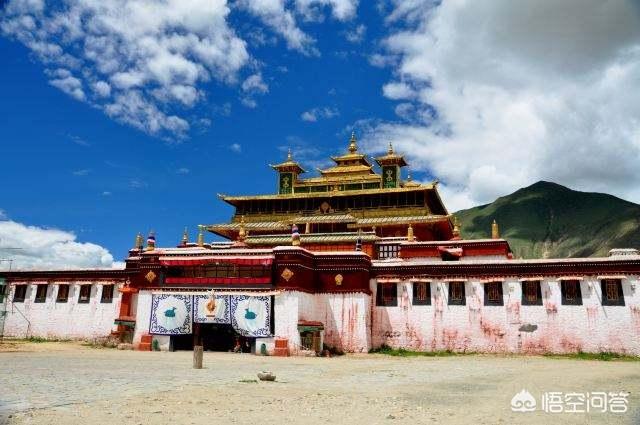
x=68, y=165
x=124, y=116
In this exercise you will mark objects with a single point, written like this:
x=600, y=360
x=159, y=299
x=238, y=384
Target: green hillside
x=547, y=220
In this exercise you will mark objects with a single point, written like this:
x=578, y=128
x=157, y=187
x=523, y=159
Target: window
x=20, y=293
x=456, y=293
x=41, y=293
x=387, y=294
x=493, y=293
x=85, y=294
x=107, y=294
x=571, y=293
x=612, y=292
x=531, y=293
x=421, y=293
x=63, y=294
x=388, y=251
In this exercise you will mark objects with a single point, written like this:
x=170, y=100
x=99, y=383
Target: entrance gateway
x=223, y=321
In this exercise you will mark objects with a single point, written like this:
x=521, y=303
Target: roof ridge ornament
x=390, y=150
x=289, y=156
x=185, y=237
x=353, y=143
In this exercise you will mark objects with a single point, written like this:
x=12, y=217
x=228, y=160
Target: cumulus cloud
x=313, y=115
x=507, y=93
x=131, y=57
x=42, y=249
x=235, y=147
x=282, y=18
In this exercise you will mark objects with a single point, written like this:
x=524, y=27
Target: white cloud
x=119, y=55
x=42, y=249
x=508, y=93
x=255, y=84
x=3, y=215
x=82, y=172
x=341, y=10
x=183, y=170
x=315, y=114
x=106, y=193
x=356, y=35
x=235, y=147
x=273, y=13
x=397, y=91
x=137, y=184
x=281, y=17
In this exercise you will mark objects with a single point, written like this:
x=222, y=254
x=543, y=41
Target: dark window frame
x=64, y=299
x=416, y=300
x=381, y=300
x=564, y=290
x=451, y=300
x=615, y=283
x=41, y=298
x=489, y=287
x=388, y=251
x=109, y=299
x=23, y=293
x=80, y=295
x=538, y=291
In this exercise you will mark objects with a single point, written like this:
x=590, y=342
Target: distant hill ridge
x=548, y=220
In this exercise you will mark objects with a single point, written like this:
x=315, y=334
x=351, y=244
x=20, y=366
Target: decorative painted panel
x=251, y=316
x=170, y=314
x=202, y=309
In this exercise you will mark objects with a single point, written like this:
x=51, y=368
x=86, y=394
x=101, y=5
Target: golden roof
x=232, y=199
x=311, y=238
x=391, y=158
x=288, y=164
x=394, y=220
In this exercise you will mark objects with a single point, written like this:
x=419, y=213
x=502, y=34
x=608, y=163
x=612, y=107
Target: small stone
x=390, y=417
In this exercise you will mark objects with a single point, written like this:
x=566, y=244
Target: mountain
x=547, y=220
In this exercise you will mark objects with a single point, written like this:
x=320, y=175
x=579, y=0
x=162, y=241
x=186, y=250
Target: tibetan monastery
x=347, y=261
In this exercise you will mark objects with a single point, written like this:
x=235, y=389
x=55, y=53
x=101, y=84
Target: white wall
x=143, y=315
x=474, y=327
x=68, y=320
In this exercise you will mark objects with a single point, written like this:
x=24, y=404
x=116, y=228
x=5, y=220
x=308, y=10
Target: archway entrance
x=213, y=337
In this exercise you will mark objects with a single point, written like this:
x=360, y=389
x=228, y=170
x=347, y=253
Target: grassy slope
x=547, y=220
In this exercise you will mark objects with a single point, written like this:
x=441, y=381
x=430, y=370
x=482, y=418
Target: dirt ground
x=67, y=383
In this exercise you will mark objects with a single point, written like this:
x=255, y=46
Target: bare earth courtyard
x=67, y=383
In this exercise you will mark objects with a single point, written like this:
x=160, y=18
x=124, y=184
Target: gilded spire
x=456, y=228
x=390, y=150
x=410, y=236
x=289, y=156
x=242, y=233
x=200, y=235
x=353, y=143
x=139, y=242
x=495, y=230
x=409, y=175
x=185, y=237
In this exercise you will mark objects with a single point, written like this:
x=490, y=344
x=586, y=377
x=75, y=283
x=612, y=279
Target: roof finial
x=242, y=233
x=200, y=235
x=410, y=236
x=456, y=228
x=185, y=237
x=353, y=146
x=139, y=245
x=295, y=235
x=390, y=150
x=289, y=156
x=151, y=241
x=495, y=230
x=409, y=175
